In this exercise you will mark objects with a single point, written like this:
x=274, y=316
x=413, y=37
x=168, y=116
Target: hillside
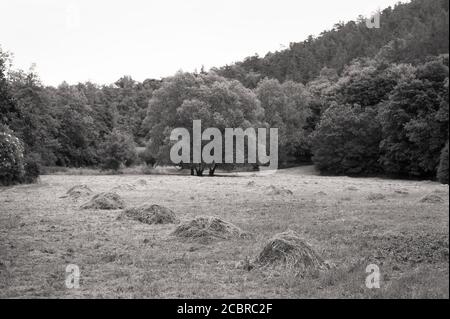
x=409, y=31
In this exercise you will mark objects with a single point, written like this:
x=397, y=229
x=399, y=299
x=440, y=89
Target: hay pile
x=141, y=182
x=375, y=196
x=124, y=187
x=289, y=251
x=273, y=190
x=150, y=214
x=207, y=228
x=78, y=191
x=104, y=201
x=432, y=199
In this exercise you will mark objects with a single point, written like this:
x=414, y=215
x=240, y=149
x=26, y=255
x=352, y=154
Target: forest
x=353, y=100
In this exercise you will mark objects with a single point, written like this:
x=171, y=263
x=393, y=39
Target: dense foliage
x=12, y=169
x=346, y=141
x=117, y=150
x=287, y=106
x=414, y=121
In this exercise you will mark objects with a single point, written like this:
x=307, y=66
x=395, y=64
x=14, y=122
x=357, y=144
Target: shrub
x=442, y=173
x=118, y=149
x=11, y=159
x=32, y=170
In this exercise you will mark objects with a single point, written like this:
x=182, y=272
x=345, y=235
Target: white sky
x=101, y=40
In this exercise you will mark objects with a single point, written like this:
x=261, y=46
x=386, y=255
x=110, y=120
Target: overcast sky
x=101, y=40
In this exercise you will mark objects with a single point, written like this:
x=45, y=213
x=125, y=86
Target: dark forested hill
x=408, y=33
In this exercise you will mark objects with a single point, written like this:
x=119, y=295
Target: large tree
x=185, y=97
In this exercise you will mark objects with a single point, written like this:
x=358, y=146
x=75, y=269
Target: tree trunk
x=199, y=170
x=212, y=170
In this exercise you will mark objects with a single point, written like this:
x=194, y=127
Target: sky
x=102, y=40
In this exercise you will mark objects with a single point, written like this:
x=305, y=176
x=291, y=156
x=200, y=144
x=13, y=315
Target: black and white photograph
x=240, y=152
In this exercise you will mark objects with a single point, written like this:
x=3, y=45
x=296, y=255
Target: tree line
x=354, y=101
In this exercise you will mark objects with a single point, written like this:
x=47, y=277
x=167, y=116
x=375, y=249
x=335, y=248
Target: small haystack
x=274, y=190
x=104, y=201
x=288, y=250
x=150, y=214
x=208, y=228
x=124, y=187
x=78, y=191
x=375, y=196
x=141, y=182
x=432, y=199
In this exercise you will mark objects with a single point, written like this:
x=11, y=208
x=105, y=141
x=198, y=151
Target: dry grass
x=40, y=234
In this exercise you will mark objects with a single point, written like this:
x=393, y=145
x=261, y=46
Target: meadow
x=350, y=222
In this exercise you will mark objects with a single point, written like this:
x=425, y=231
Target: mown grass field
x=351, y=222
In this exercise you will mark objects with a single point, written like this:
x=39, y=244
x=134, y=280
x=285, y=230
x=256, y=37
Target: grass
x=40, y=234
